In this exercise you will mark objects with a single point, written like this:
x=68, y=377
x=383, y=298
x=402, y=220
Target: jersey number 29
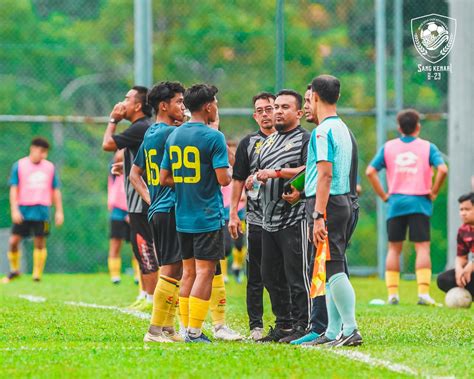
x=188, y=157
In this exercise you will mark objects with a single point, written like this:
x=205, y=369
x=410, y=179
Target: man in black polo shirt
x=245, y=166
x=284, y=236
x=136, y=110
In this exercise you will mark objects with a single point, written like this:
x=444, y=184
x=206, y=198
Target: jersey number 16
x=188, y=157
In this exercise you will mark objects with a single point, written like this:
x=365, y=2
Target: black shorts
x=418, y=225
x=31, y=228
x=163, y=228
x=339, y=224
x=120, y=230
x=208, y=246
x=142, y=243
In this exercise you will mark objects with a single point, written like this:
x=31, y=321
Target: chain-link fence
x=76, y=58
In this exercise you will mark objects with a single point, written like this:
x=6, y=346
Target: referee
x=284, y=235
x=328, y=179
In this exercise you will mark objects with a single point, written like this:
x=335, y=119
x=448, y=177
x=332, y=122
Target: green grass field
x=54, y=339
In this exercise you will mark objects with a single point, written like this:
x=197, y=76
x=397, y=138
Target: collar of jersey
x=291, y=131
x=328, y=118
x=156, y=124
x=407, y=139
x=195, y=123
x=261, y=134
x=141, y=119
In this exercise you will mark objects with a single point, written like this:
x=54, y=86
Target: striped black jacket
x=282, y=150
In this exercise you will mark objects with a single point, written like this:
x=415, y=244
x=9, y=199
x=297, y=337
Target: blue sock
x=343, y=296
x=334, y=318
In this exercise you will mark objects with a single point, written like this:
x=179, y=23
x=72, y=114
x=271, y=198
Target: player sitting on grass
x=461, y=275
x=196, y=164
x=408, y=161
x=34, y=187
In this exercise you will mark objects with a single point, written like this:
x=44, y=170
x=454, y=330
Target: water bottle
x=253, y=193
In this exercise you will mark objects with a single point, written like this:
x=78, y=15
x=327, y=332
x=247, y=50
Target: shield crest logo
x=433, y=36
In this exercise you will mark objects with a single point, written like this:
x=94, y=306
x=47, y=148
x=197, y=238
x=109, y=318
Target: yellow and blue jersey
x=193, y=152
x=149, y=157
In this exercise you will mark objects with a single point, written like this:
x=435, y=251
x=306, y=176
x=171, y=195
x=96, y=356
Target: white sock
x=390, y=297
x=149, y=298
x=141, y=295
x=425, y=296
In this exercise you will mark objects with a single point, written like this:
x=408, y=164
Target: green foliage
x=76, y=58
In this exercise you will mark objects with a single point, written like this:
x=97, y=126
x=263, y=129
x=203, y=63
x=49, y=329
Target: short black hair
x=142, y=98
x=198, y=95
x=263, y=95
x=407, y=120
x=327, y=87
x=40, y=142
x=466, y=197
x=296, y=95
x=164, y=91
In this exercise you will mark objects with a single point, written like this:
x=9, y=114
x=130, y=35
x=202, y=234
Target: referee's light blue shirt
x=330, y=142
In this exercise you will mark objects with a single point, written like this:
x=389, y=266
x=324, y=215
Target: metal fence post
x=460, y=133
x=143, y=43
x=280, y=46
x=398, y=70
x=59, y=248
x=398, y=54
x=381, y=112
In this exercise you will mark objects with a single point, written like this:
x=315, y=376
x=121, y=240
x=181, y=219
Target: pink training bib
x=116, y=193
x=408, y=167
x=35, y=182
x=226, y=194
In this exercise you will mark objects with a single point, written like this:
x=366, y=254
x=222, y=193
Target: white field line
x=366, y=358
x=350, y=354
x=142, y=315
x=33, y=299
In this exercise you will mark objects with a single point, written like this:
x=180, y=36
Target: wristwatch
x=278, y=172
x=316, y=215
x=113, y=121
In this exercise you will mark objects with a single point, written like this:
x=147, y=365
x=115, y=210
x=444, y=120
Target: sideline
x=33, y=299
x=131, y=312
x=366, y=358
